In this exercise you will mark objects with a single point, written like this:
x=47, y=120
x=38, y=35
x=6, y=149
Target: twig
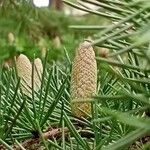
x=36, y=140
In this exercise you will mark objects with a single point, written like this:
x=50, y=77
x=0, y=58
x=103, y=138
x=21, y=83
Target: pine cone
x=24, y=69
x=83, y=79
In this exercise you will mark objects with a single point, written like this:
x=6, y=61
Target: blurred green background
x=30, y=30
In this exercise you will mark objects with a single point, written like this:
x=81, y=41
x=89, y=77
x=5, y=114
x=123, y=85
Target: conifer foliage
x=100, y=103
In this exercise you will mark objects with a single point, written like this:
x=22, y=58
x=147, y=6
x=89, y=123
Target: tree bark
x=57, y=4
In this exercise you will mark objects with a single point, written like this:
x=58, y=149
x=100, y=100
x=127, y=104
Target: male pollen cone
x=24, y=69
x=83, y=79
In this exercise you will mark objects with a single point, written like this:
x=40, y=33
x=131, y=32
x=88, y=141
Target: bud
x=42, y=46
x=83, y=79
x=11, y=38
x=104, y=52
x=57, y=42
x=43, y=52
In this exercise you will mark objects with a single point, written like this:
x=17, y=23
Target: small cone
x=11, y=38
x=83, y=79
x=103, y=52
x=24, y=69
x=38, y=71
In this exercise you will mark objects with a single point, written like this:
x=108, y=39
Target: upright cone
x=24, y=69
x=83, y=79
x=38, y=71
